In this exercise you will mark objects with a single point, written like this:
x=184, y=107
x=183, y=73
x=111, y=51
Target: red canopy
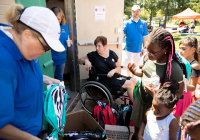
x=187, y=14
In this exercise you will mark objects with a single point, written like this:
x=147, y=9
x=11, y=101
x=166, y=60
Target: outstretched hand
x=132, y=67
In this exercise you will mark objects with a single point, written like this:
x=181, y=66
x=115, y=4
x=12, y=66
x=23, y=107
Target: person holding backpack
x=162, y=60
x=21, y=80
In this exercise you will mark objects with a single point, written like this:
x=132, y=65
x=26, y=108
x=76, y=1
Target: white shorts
x=128, y=57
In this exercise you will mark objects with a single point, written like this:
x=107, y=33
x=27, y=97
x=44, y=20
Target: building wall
x=4, y=4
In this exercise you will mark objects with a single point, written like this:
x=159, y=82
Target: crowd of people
x=167, y=112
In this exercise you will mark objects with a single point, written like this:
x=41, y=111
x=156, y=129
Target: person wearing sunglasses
x=34, y=30
x=161, y=58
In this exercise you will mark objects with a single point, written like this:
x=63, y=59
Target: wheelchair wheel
x=91, y=92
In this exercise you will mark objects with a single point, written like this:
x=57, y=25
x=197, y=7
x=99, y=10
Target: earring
x=165, y=53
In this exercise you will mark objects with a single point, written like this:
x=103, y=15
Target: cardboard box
x=115, y=132
x=80, y=121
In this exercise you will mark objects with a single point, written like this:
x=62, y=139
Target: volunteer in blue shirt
x=136, y=32
x=35, y=31
x=59, y=59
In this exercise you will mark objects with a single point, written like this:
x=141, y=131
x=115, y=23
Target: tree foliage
x=153, y=7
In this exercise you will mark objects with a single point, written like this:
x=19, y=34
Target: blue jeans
x=58, y=71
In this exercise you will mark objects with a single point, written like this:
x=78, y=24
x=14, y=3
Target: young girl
x=159, y=123
x=188, y=49
x=191, y=122
x=162, y=60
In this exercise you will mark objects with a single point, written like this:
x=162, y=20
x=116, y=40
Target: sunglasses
x=46, y=49
x=154, y=55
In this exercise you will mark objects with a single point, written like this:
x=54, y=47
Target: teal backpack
x=55, y=100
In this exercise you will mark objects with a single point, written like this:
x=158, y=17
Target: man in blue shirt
x=136, y=32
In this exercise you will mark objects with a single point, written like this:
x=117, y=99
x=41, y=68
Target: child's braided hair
x=167, y=94
x=191, y=118
x=165, y=39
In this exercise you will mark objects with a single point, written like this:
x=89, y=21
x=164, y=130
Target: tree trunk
x=166, y=13
x=151, y=15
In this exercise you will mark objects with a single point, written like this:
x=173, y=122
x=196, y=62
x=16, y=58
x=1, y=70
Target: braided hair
x=165, y=39
x=191, y=118
x=167, y=94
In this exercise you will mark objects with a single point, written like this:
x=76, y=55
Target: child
x=188, y=49
x=162, y=60
x=160, y=124
x=191, y=122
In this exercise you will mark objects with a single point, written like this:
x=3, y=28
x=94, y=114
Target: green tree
x=127, y=7
x=151, y=6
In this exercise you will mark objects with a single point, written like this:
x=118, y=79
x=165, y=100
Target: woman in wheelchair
x=105, y=61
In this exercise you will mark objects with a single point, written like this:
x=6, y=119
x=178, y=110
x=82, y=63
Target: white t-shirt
x=157, y=129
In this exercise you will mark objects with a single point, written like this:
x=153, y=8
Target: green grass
x=178, y=37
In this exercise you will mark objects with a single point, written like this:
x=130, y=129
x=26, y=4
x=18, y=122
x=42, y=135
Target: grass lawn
x=177, y=38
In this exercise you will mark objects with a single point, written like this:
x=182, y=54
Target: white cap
x=135, y=7
x=43, y=21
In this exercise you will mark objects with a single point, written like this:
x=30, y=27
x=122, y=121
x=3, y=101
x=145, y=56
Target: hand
x=150, y=89
x=88, y=65
x=140, y=137
x=49, y=81
x=132, y=67
x=143, y=52
x=111, y=73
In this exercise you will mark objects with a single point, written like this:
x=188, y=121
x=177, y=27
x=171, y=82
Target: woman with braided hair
x=191, y=122
x=188, y=49
x=162, y=60
x=159, y=123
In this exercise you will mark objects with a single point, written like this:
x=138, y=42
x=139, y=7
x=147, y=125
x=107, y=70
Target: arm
x=179, y=92
x=194, y=77
x=193, y=82
x=116, y=70
x=125, y=28
x=48, y=80
x=12, y=133
x=142, y=126
x=85, y=60
x=144, y=41
x=173, y=129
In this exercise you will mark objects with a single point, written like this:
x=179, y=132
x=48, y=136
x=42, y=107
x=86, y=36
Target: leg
x=125, y=60
x=59, y=72
x=136, y=133
x=137, y=59
x=129, y=85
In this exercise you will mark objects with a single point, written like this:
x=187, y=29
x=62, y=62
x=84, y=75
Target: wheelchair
x=93, y=91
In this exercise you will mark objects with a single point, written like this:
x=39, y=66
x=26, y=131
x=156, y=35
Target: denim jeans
x=58, y=71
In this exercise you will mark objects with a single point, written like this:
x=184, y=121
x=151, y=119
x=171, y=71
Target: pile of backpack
x=116, y=115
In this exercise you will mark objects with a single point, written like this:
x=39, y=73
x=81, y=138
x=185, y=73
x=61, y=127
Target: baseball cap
x=43, y=21
x=135, y=7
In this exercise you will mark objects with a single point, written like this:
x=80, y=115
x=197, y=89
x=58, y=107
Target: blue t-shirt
x=134, y=32
x=60, y=58
x=21, y=84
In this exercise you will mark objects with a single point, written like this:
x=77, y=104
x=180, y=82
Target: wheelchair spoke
x=91, y=92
